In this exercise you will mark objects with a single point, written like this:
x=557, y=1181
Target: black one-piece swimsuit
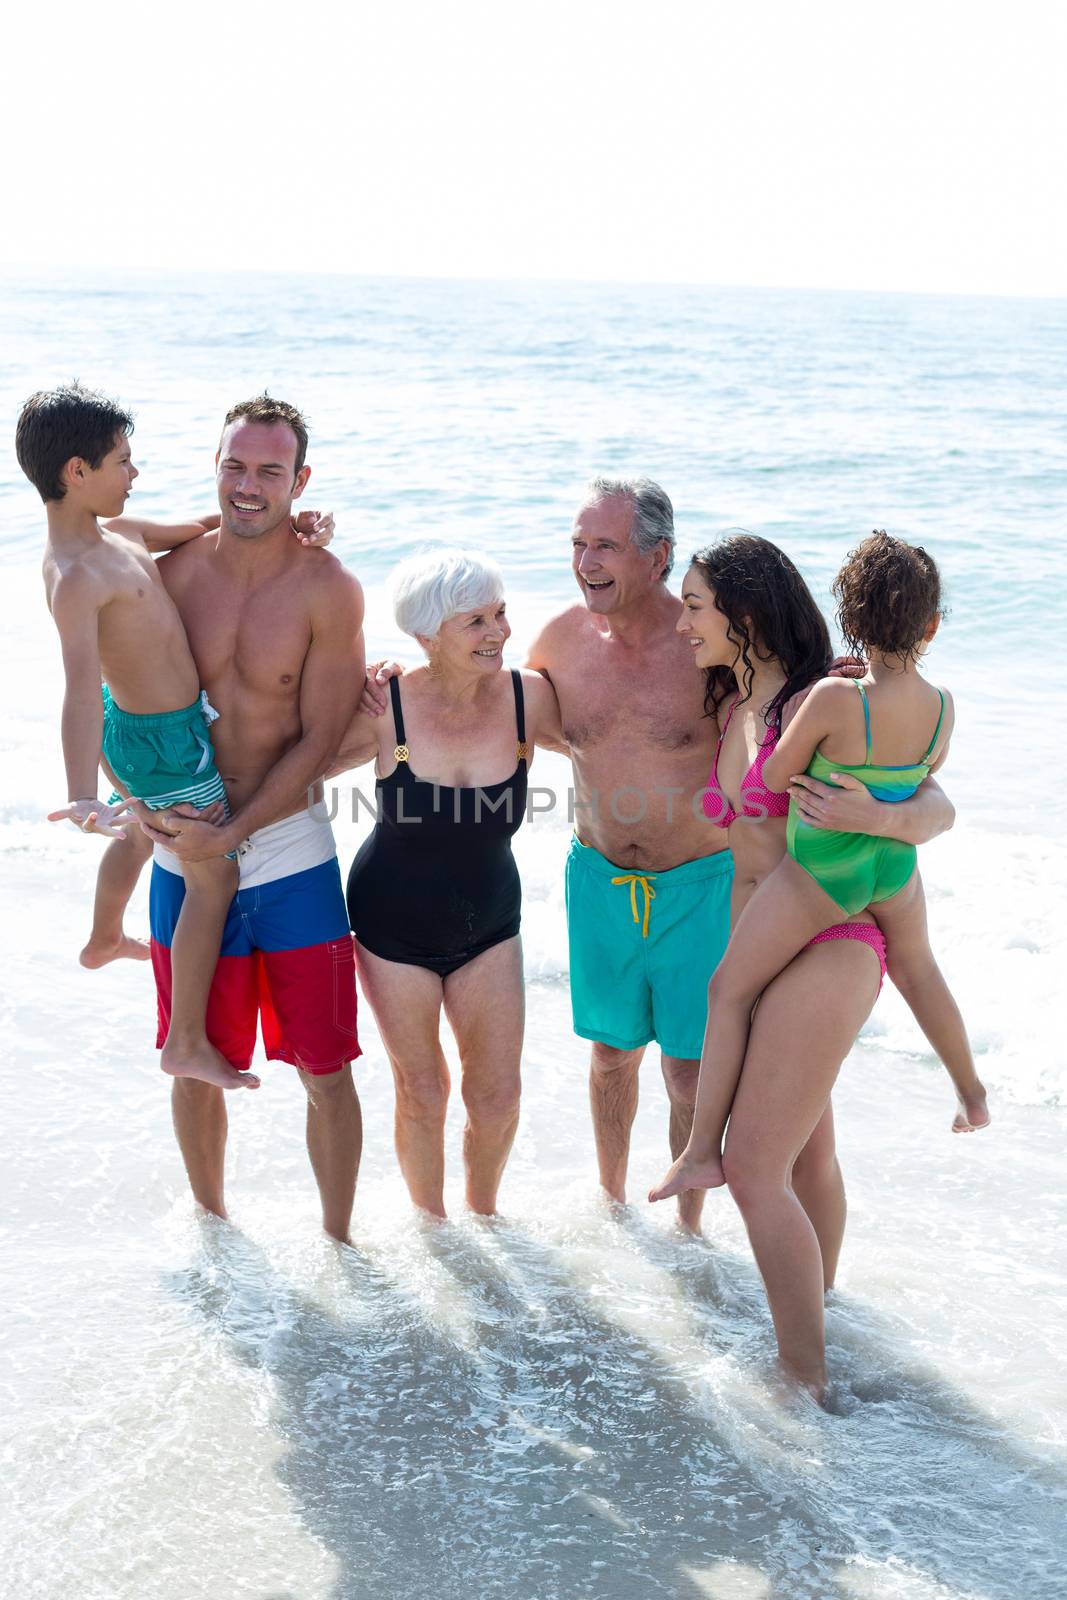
x=436, y=883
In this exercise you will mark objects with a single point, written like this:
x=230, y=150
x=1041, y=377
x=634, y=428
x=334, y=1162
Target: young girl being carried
x=889, y=596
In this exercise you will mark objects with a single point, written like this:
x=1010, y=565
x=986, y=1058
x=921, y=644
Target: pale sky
x=812, y=143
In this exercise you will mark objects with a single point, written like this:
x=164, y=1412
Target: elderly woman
x=433, y=895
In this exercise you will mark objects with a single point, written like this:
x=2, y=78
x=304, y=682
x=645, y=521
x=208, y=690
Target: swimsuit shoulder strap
x=866, y=719
x=937, y=730
x=401, y=751
x=520, y=714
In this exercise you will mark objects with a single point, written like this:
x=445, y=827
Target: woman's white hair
x=428, y=589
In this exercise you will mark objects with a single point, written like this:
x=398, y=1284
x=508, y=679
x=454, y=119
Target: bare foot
x=973, y=1112
x=205, y=1063
x=688, y=1173
x=98, y=952
x=814, y=1384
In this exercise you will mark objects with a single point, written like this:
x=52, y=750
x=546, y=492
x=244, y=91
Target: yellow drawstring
x=633, y=879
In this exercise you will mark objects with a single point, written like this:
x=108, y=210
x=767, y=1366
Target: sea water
x=569, y=1401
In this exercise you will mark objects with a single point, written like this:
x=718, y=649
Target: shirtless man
x=276, y=634
x=648, y=880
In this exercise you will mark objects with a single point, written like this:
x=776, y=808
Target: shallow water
x=572, y=1401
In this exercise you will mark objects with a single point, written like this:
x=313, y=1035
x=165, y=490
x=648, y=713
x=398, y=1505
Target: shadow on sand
x=487, y=1413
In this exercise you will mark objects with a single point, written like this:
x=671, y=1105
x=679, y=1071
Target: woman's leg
x=485, y=1004
x=917, y=975
x=785, y=912
x=820, y=1188
x=803, y=1028
x=406, y=1001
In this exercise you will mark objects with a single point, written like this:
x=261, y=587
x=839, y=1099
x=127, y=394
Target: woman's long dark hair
x=771, y=613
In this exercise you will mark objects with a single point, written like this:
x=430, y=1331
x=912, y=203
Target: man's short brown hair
x=264, y=408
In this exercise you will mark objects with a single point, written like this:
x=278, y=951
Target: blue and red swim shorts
x=286, y=962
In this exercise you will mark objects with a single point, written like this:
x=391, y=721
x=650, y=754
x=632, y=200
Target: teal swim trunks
x=643, y=947
x=164, y=760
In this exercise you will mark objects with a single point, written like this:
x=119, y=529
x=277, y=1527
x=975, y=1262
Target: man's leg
x=199, y=1112
x=613, y=1099
x=610, y=997
x=232, y=1014
x=680, y=1075
x=335, y=1144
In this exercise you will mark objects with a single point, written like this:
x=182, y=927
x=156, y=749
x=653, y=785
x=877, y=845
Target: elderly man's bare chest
x=605, y=710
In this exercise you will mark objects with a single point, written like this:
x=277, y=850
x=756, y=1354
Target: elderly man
x=648, y=880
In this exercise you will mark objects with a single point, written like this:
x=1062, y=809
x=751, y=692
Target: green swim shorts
x=643, y=947
x=164, y=760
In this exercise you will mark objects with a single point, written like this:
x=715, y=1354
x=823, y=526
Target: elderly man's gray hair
x=653, y=519
x=428, y=589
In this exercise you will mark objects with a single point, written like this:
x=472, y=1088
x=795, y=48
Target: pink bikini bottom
x=864, y=932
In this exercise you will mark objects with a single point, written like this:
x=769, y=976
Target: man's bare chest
x=257, y=640
x=633, y=710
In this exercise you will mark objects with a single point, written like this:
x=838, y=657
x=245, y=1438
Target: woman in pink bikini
x=760, y=638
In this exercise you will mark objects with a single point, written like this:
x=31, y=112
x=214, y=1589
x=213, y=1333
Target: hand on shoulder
x=793, y=705
x=543, y=725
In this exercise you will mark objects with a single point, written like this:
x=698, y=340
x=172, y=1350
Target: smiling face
x=102, y=490
x=611, y=572
x=257, y=478
x=703, y=625
x=473, y=641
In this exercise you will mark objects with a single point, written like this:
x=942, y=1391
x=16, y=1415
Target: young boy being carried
x=117, y=623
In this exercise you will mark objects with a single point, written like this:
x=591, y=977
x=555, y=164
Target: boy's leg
x=912, y=967
x=785, y=912
x=209, y=888
x=116, y=880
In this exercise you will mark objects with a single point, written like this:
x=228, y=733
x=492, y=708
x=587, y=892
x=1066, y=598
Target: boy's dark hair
x=56, y=424
x=264, y=408
x=771, y=612
x=888, y=593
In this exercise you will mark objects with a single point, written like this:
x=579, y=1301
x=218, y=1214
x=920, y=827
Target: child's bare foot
x=98, y=952
x=204, y=1062
x=973, y=1112
x=689, y=1173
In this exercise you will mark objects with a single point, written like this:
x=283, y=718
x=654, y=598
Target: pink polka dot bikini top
x=756, y=799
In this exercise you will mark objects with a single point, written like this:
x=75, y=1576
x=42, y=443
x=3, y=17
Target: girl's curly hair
x=888, y=593
x=771, y=613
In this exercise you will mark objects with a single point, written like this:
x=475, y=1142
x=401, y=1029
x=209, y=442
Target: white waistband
x=295, y=844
